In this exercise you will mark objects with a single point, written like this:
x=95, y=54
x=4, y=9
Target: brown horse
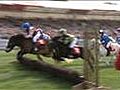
x=26, y=46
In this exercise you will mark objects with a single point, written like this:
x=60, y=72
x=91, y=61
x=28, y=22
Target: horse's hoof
x=18, y=58
x=68, y=60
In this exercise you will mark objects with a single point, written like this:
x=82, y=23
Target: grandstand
x=53, y=18
x=21, y=10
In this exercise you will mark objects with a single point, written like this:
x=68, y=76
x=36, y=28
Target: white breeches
x=73, y=43
x=36, y=37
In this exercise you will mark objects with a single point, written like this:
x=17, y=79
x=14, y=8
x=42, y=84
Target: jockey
x=71, y=38
x=75, y=42
x=35, y=33
x=118, y=35
x=105, y=39
x=39, y=34
x=65, y=37
x=28, y=28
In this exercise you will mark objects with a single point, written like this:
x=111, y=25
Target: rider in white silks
x=75, y=42
x=117, y=32
x=40, y=35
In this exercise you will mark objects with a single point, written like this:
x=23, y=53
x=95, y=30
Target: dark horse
x=26, y=46
x=55, y=48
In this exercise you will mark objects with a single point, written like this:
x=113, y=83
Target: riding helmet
x=25, y=26
x=62, y=31
x=101, y=31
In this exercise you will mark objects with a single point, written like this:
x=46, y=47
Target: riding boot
x=108, y=51
x=35, y=48
x=69, y=54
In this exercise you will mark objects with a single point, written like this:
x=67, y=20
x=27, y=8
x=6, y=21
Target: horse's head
x=10, y=44
x=13, y=41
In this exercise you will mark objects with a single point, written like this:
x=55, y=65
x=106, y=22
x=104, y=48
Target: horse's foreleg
x=19, y=55
x=38, y=56
x=56, y=61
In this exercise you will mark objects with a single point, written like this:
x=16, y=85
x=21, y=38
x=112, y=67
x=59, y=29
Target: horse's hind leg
x=108, y=52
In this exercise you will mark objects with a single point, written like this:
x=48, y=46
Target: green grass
x=111, y=78
x=14, y=76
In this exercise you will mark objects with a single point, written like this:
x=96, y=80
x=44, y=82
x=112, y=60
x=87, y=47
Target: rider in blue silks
x=35, y=33
x=118, y=35
x=105, y=39
x=26, y=26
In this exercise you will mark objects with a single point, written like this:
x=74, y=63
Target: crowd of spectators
x=11, y=26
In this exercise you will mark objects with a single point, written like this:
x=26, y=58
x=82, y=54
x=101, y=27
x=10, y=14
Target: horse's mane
x=18, y=36
x=55, y=38
x=59, y=43
x=22, y=36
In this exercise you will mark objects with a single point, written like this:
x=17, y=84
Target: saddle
x=76, y=51
x=41, y=44
x=73, y=51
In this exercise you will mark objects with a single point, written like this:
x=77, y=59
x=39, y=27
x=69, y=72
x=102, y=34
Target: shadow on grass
x=46, y=74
